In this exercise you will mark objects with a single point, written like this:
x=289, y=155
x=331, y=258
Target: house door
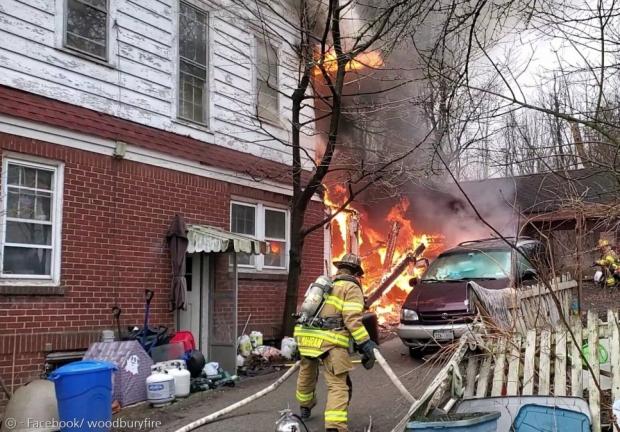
x=194, y=317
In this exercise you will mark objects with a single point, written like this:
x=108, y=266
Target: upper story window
x=86, y=27
x=193, y=43
x=267, y=106
x=262, y=222
x=30, y=242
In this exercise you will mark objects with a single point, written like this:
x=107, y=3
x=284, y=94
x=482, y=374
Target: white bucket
x=107, y=336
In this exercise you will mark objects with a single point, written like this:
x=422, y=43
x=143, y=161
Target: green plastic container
x=603, y=356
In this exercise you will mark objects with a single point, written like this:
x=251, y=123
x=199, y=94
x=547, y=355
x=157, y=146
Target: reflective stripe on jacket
x=609, y=260
x=346, y=301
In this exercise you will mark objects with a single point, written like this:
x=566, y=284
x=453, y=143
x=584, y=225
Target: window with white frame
x=193, y=45
x=267, y=107
x=32, y=194
x=86, y=27
x=262, y=222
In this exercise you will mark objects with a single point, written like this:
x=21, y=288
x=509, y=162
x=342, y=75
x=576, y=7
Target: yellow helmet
x=603, y=243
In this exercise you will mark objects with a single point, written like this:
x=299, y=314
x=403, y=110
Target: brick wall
x=115, y=217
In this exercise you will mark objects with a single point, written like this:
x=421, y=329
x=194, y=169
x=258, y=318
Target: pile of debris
x=255, y=358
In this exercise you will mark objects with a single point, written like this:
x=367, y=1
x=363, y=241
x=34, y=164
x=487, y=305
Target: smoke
x=444, y=209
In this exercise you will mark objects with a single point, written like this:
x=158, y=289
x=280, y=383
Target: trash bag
x=288, y=348
x=195, y=362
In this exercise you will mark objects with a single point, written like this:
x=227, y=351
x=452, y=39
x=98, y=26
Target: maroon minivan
x=437, y=310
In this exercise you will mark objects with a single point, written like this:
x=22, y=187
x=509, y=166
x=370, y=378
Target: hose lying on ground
x=392, y=376
x=228, y=409
x=212, y=417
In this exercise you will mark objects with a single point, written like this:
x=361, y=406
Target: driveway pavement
x=373, y=395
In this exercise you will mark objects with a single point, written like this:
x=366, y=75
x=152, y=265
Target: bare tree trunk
x=298, y=208
x=579, y=146
x=294, y=272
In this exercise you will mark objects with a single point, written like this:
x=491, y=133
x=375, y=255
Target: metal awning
x=204, y=238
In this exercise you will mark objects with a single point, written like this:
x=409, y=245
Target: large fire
x=365, y=60
x=381, y=243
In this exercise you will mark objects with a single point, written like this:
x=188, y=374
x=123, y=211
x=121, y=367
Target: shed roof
x=547, y=192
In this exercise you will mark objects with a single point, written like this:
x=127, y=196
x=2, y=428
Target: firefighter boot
x=305, y=412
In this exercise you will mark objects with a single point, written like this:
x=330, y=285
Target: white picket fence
x=543, y=362
x=528, y=307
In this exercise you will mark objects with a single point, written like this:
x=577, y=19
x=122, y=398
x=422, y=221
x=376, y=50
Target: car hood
x=445, y=296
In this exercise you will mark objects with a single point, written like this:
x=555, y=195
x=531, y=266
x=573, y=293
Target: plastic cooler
x=460, y=422
x=186, y=338
x=84, y=395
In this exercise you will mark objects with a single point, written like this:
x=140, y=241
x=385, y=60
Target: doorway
x=195, y=316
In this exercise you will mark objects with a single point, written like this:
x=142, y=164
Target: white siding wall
x=140, y=80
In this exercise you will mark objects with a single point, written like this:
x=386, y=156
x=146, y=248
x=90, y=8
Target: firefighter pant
x=337, y=364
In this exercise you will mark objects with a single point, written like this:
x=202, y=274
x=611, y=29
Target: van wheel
x=416, y=353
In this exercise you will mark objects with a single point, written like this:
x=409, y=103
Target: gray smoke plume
x=444, y=209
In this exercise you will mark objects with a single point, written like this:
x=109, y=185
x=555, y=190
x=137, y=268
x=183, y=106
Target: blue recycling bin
x=540, y=418
x=84, y=395
x=460, y=422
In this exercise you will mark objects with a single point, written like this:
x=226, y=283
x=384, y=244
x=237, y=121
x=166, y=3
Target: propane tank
x=313, y=299
x=289, y=422
x=159, y=387
x=181, y=376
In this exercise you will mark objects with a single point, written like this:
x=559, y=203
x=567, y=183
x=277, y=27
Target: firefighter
x=340, y=323
x=609, y=263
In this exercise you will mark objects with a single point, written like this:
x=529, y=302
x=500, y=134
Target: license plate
x=443, y=335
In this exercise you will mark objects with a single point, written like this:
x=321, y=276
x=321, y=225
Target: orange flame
x=365, y=60
x=374, y=236
x=275, y=248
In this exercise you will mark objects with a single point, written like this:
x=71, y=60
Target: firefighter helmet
x=603, y=243
x=352, y=262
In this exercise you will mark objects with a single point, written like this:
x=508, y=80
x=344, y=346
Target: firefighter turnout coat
x=609, y=261
x=346, y=301
x=330, y=346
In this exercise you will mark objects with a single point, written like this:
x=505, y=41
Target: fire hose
x=392, y=376
x=216, y=415
x=212, y=417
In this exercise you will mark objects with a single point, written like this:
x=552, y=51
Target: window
x=243, y=221
x=275, y=234
x=31, y=222
x=470, y=265
x=86, y=27
x=193, y=31
x=264, y=223
x=267, y=107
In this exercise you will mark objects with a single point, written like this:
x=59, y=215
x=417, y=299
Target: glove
x=368, y=355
